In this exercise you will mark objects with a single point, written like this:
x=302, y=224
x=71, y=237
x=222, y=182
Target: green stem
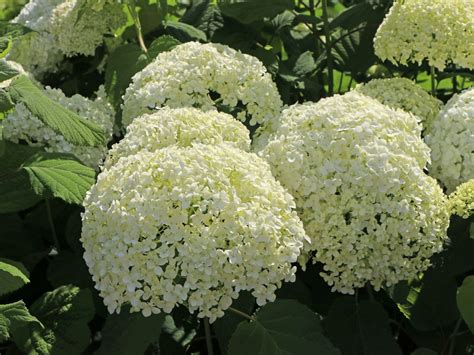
x=242, y=314
x=138, y=25
x=51, y=224
x=368, y=287
x=453, y=335
x=433, y=81
x=327, y=45
x=207, y=331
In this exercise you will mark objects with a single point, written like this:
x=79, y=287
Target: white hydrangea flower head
x=404, y=94
x=182, y=127
x=22, y=125
x=440, y=31
x=461, y=201
x=363, y=115
x=451, y=139
x=63, y=28
x=37, y=53
x=372, y=214
x=205, y=76
x=192, y=226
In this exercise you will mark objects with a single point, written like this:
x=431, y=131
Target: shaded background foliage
x=290, y=38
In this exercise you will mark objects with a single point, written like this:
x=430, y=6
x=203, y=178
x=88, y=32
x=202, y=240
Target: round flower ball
x=22, y=125
x=63, y=28
x=182, y=127
x=372, y=214
x=461, y=201
x=191, y=226
x=208, y=76
x=403, y=94
x=439, y=31
x=451, y=139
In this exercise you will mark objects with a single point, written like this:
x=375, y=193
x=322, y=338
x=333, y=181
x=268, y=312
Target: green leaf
x=6, y=103
x=12, y=29
x=129, y=333
x=224, y=327
x=61, y=174
x=18, y=242
x=126, y=61
x=352, y=16
x=248, y=11
x=360, y=328
x=74, y=128
x=184, y=32
x=66, y=264
x=64, y=313
x=7, y=71
x=16, y=193
x=162, y=44
x=283, y=327
x=5, y=46
x=464, y=299
x=429, y=303
x=13, y=318
x=13, y=276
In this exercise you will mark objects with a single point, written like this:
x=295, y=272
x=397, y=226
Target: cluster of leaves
x=48, y=304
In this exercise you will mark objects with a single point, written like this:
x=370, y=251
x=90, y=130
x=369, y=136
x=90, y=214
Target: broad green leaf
x=21, y=242
x=360, y=328
x=5, y=46
x=352, y=16
x=74, y=128
x=6, y=103
x=13, y=317
x=195, y=12
x=12, y=29
x=65, y=314
x=16, y=193
x=465, y=301
x=13, y=276
x=248, y=11
x=129, y=333
x=126, y=61
x=7, y=71
x=61, y=174
x=211, y=21
x=284, y=327
x=66, y=264
x=224, y=327
x=184, y=32
x=162, y=44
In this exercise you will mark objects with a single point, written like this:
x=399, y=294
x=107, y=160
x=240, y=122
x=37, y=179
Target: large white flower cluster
x=204, y=76
x=62, y=28
x=355, y=169
x=181, y=126
x=22, y=125
x=440, y=31
x=403, y=94
x=461, y=201
x=451, y=139
x=191, y=226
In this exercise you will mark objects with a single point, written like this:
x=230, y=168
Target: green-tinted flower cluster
x=403, y=94
x=192, y=226
x=355, y=168
x=440, y=31
x=461, y=201
x=451, y=139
